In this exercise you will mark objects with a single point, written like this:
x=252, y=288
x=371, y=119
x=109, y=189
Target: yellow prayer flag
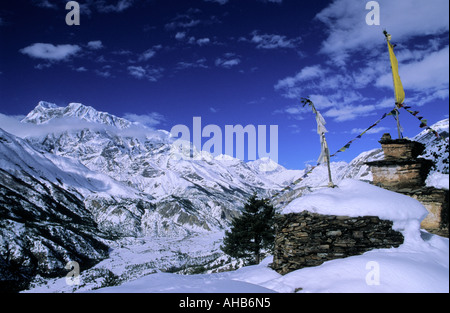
x=398, y=86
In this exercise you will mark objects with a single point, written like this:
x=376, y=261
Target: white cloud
x=203, y=41
x=272, y=41
x=404, y=19
x=200, y=63
x=151, y=74
x=42, y=66
x=95, y=45
x=343, y=105
x=104, y=7
x=147, y=55
x=182, y=24
x=137, y=71
x=50, y=52
x=150, y=53
x=428, y=74
x=294, y=86
x=180, y=35
x=45, y=4
x=385, y=103
x=357, y=58
x=150, y=120
x=228, y=62
x=349, y=112
x=321, y=102
x=375, y=130
x=269, y=41
x=80, y=69
x=296, y=112
x=221, y=2
x=105, y=73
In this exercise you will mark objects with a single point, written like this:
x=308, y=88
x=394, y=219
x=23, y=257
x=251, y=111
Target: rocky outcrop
x=309, y=239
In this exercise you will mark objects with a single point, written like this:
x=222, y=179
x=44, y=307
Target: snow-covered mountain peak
x=46, y=112
x=47, y=105
x=266, y=165
x=40, y=113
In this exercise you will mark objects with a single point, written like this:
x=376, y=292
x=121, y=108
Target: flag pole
x=321, y=130
x=400, y=135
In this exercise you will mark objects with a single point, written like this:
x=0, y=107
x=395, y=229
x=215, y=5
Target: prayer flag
x=398, y=86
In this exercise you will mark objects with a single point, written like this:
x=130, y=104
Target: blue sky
x=231, y=62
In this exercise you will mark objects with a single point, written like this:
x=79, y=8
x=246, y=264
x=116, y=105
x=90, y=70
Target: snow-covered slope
x=420, y=265
x=117, y=179
x=436, y=149
x=43, y=220
x=129, y=188
x=200, y=193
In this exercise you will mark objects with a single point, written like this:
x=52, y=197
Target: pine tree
x=251, y=232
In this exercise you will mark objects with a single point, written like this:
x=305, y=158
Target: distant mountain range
x=85, y=178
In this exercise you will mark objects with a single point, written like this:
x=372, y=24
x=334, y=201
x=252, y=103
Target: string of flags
x=298, y=181
x=399, y=103
x=423, y=124
x=347, y=146
x=423, y=121
x=344, y=148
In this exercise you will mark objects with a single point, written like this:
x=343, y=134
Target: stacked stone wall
x=308, y=239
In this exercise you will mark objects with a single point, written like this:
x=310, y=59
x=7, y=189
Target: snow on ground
x=420, y=265
x=408, y=269
x=421, y=268
x=132, y=258
x=438, y=180
x=356, y=198
x=172, y=283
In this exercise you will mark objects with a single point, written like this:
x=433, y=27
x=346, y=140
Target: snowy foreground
x=407, y=269
x=420, y=265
